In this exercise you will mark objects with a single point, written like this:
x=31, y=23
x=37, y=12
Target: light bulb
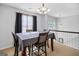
x=43, y=9
x=38, y=10
x=48, y=10
x=45, y=12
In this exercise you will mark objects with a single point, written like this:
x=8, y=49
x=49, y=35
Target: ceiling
x=57, y=9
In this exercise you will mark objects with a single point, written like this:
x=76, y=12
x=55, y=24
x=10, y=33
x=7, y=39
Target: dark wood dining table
x=23, y=42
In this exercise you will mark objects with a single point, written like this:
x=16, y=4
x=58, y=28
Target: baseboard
x=5, y=47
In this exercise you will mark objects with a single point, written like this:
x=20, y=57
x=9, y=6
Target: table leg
x=52, y=44
x=24, y=51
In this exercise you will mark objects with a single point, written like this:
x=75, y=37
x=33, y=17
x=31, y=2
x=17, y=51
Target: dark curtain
x=18, y=23
x=34, y=23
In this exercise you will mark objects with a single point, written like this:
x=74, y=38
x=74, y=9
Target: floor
x=59, y=50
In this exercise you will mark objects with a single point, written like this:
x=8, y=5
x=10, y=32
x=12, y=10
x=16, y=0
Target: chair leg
x=16, y=51
x=32, y=50
x=38, y=50
x=29, y=50
x=45, y=50
x=42, y=47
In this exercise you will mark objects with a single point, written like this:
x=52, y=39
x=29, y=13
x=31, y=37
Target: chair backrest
x=15, y=39
x=42, y=37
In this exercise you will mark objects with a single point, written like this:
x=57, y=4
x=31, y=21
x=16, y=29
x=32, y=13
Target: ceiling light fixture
x=43, y=9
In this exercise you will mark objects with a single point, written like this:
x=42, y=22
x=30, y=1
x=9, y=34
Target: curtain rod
x=25, y=14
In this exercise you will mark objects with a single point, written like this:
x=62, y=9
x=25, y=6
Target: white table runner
x=27, y=35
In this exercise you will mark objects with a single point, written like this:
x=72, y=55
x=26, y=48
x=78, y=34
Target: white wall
x=7, y=24
x=70, y=23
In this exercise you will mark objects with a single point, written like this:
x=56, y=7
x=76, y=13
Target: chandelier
x=43, y=9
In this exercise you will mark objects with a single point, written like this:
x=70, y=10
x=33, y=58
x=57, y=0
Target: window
x=27, y=23
x=51, y=24
x=30, y=23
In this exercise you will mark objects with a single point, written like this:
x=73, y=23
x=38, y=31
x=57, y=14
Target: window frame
x=27, y=30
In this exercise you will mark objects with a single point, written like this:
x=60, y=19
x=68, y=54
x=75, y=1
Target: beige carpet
x=59, y=50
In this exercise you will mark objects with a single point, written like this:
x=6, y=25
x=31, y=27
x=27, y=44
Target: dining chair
x=15, y=39
x=41, y=44
x=16, y=45
x=48, y=38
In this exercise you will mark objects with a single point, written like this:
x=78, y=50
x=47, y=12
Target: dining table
x=29, y=38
